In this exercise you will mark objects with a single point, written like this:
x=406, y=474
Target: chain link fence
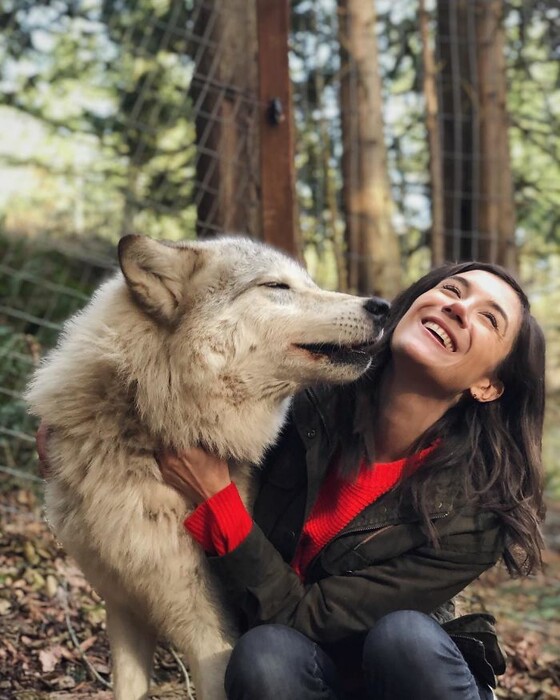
x=143, y=116
x=117, y=117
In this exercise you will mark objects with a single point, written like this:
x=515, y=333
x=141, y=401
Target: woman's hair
x=493, y=448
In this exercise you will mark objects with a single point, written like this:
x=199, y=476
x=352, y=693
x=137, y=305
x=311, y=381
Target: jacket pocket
x=355, y=551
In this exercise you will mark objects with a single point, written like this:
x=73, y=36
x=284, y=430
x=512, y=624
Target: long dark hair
x=494, y=448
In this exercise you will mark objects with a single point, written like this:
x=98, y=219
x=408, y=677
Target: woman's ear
x=487, y=390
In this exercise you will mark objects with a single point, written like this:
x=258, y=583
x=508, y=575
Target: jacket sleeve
x=339, y=605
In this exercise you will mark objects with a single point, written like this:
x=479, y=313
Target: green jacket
x=382, y=561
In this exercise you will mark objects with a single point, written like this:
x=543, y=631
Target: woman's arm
x=221, y=521
x=418, y=576
x=422, y=578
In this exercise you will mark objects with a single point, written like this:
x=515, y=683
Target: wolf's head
x=249, y=313
x=199, y=343
x=240, y=327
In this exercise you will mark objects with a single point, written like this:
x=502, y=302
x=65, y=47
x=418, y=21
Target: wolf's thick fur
x=193, y=344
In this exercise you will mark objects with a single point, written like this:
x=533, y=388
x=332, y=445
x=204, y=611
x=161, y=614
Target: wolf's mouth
x=339, y=354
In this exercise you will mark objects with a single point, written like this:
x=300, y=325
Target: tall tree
x=437, y=239
x=478, y=193
x=374, y=264
x=223, y=90
x=315, y=77
x=150, y=105
x=113, y=74
x=496, y=219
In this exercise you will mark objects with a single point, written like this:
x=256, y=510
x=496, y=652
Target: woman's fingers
x=194, y=472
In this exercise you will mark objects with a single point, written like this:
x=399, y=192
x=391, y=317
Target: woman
x=382, y=501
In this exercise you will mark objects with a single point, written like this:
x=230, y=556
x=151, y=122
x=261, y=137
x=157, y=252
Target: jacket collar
x=314, y=409
x=314, y=414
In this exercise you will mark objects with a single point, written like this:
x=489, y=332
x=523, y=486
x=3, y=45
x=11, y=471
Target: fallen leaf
x=50, y=657
x=87, y=643
x=66, y=682
x=29, y=553
x=51, y=586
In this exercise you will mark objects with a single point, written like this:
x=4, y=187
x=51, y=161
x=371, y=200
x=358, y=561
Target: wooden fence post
x=276, y=127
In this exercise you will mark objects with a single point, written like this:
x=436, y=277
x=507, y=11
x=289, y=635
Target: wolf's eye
x=276, y=285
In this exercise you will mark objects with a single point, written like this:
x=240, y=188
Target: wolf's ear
x=155, y=273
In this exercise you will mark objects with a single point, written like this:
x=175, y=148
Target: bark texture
x=374, y=265
x=223, y=92
x=479, y=217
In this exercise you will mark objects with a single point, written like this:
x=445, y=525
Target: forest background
x=422, y=131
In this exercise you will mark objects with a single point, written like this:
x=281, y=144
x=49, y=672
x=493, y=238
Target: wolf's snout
x=377, y=307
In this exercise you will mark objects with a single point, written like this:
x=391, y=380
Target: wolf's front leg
x=200, y=629
x=132, y=649
x=208, y=668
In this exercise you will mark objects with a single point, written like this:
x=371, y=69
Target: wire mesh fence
x=122, y=116
x=39, y=289
x=117, y=117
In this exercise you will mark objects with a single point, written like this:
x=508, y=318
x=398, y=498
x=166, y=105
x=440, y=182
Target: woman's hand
x=195, y=474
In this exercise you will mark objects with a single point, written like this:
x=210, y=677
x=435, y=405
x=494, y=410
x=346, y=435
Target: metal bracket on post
x=275, y=111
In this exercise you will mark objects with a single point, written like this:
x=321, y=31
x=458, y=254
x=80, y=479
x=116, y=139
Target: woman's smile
x=458, y=333
x=439, y=332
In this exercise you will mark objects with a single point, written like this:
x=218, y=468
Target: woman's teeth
x=442, y=335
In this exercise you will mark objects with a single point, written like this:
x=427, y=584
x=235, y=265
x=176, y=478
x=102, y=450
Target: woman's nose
x=458, y=311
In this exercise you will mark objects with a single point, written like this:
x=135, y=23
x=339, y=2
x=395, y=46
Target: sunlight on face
x=460, y=331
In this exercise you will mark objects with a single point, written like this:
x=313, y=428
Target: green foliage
x=16, y=365
x=104, y=86
x=108, y=85
x=534, y=105
x=40, y=287
x=97, y=138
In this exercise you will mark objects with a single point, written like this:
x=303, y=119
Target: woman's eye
x=276, y=285
x=492, y=319
x=452, y=288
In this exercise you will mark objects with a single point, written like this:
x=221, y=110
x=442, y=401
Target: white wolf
x=196, y=343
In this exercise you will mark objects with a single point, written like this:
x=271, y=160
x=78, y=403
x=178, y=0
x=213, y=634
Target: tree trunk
x=223, y=92
x=276, y=128
x=496, y=215
x=437, y=240
x=374, y=265
x=478, y=194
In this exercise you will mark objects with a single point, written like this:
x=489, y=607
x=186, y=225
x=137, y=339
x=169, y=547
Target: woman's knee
x=264, y=660
x=406, y=636
x=408, y=655
x=261, y=653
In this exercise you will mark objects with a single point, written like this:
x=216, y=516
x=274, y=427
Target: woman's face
x=459, y=332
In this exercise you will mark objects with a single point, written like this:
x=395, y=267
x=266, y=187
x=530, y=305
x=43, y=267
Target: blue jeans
x=406, y=656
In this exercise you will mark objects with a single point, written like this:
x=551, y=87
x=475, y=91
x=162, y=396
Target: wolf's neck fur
x=124, y=374
x=185, y=412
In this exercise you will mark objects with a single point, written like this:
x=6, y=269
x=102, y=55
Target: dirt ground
x=52, y=630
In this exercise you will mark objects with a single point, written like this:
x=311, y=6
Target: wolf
x=190, y=344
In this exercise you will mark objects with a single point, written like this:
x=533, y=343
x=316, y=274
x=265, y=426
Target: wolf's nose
x=377, y=306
